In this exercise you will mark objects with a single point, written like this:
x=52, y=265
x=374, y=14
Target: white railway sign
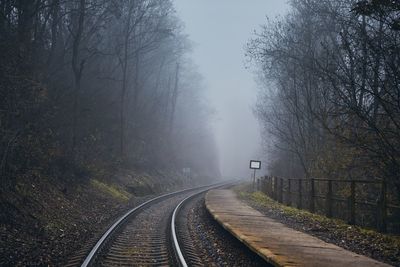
x=255, y=164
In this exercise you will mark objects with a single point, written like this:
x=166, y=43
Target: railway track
x=149, y=235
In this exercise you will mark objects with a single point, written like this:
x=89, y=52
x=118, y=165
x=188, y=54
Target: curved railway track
x=148, y=235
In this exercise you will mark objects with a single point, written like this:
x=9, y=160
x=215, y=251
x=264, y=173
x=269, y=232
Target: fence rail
x=344, y=199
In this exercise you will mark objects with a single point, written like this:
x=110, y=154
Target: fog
x=135, y=82
x=106, y=103
x=219, y=31
x=132, y=84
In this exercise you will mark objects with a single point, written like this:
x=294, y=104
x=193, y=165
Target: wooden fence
x=360, y=202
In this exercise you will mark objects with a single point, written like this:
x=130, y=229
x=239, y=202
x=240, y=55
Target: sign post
x=255, y=165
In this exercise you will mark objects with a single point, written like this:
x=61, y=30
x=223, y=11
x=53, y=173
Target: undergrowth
x=112, y=190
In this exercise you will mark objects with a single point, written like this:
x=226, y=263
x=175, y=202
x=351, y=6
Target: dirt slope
x=45, y=221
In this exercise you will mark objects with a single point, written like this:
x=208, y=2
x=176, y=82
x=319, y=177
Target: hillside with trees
x=89, y=81
x=329, y=101
x=96, y=97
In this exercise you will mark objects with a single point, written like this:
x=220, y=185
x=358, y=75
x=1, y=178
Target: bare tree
x=332, y=64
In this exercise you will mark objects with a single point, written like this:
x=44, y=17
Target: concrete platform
x=275, y=242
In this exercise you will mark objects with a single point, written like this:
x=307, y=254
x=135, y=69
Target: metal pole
x=352, y=202
x=289, y=195
x=329, y=200
x=312, y=194
x=254, y=180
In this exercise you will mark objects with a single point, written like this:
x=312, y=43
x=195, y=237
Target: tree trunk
x=77, y=68
x=174, y=98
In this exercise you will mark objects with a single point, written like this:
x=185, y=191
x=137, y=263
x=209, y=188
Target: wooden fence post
x=329, y=200
x=264, y=185
x=270, y=186
x=281, y=190
x=300, y=195
x=275, y=188
x=352, y=202
x=312, y=193
x=289, y=194
x=382, y=205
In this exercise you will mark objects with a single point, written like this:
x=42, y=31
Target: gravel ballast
x=213, y=244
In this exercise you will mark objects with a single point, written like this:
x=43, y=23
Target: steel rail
x=95, y=250
x=177, y=248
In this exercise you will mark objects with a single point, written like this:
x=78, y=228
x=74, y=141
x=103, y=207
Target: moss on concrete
x=384, y=247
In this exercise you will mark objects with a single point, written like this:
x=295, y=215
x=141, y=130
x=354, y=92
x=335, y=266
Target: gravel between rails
x=144, y=239
x=214, y=246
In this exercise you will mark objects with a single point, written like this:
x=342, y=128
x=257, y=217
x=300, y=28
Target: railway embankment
x=45, y=221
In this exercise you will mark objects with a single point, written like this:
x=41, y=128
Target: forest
x=105, y=121
x=329, y=102
x=99, y=83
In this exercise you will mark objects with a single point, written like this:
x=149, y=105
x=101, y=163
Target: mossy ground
x=113, y=190
x=383, y=247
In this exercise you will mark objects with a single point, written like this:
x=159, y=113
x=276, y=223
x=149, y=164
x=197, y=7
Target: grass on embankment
x=114, y=191
x=383, y=247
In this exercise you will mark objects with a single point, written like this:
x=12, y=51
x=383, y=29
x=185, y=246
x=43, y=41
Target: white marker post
x=255, y=165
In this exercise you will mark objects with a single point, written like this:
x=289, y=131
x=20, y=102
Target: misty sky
x=220, y=30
